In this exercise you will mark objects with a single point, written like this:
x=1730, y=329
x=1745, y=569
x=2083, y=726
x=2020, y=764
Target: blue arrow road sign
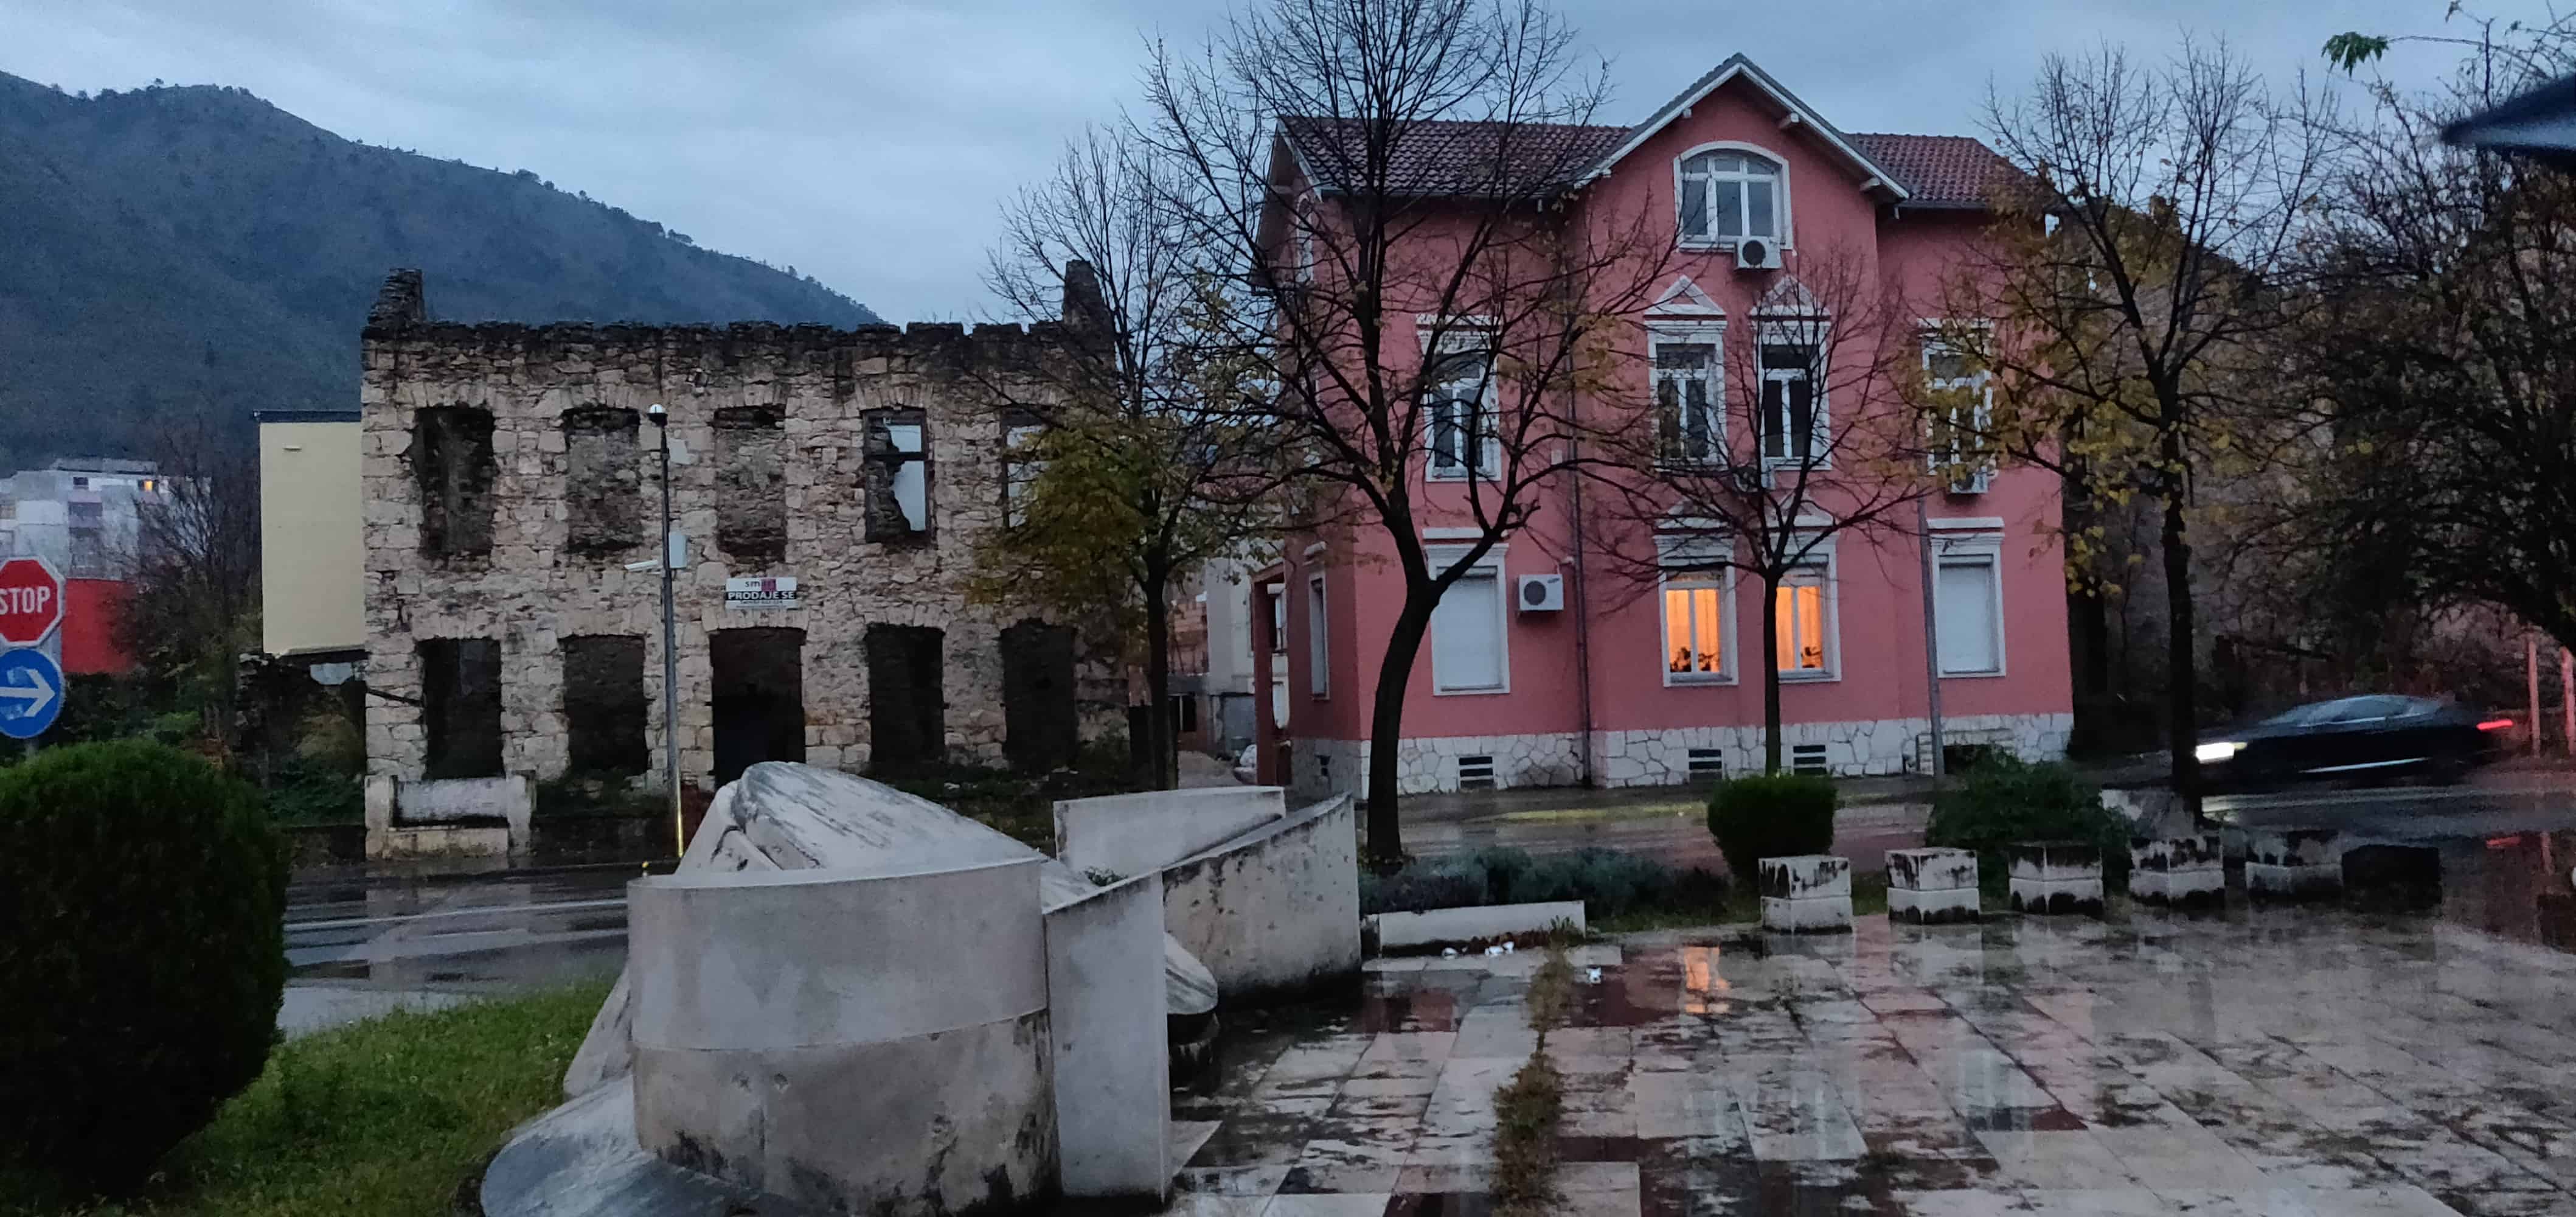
x=31, y=693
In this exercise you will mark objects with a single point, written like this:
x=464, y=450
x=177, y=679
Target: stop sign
x=31, y=601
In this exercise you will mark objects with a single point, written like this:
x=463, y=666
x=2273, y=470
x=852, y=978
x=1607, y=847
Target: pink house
x=1551, y=663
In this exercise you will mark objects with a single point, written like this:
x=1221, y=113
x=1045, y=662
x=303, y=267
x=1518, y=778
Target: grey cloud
x=871, y=143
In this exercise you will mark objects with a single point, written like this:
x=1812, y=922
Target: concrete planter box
x=2179, y=872
x=2056, y=877
x=1806, y=894
x=1435, y=927
x=1932, y=886
x=2300, y=864
x=449, y=816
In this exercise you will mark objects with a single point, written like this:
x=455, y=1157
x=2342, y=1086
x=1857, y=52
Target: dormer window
x=1728, y=195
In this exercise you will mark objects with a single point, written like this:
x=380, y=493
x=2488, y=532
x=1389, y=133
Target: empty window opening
x=603, y=481
x=759, y=697
x=1707, y=764
x=451, y=460
x=1476, y=772
x=898, y=475
x=1039, y=729
x=1809, y=760
x=751, y=484
x=604, y=706
x=460, y=696
x=1020, y=466
x=907, y=711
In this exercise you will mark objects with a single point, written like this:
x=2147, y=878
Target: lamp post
x=670, y=646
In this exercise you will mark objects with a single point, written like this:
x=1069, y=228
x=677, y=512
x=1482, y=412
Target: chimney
x=398, y=302
x=1085, y=309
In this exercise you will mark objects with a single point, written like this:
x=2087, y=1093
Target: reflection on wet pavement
x=356, y=949
x=2278, y=1061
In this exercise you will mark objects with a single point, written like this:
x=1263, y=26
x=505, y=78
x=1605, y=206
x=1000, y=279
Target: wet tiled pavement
x=2283, y=1061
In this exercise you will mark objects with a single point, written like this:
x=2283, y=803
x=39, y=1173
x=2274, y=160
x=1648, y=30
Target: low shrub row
x=2006, y=801
x=1608, y=882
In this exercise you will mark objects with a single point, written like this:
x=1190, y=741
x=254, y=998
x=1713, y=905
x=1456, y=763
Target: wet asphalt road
x=2506, y=850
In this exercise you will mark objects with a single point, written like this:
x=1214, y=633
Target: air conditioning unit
x=1757, y=253
x=1542, y=593
x=1974, y=482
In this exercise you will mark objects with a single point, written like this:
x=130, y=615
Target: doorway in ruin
x=759, y=697
x=1038, y=720
x=907, y=708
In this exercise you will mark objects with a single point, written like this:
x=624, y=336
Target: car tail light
x=2496, y=724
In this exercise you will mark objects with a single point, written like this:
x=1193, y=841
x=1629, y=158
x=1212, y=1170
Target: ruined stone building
x=830, y=485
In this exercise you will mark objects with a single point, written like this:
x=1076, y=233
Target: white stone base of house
x=1666, y=756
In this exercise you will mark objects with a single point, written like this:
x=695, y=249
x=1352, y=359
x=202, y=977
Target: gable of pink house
x=1551, y=665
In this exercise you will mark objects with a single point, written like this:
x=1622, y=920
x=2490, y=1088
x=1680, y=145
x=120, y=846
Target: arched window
x=1728, y=195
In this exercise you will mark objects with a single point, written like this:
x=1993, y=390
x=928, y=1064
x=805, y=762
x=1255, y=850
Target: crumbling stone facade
x=511, y=477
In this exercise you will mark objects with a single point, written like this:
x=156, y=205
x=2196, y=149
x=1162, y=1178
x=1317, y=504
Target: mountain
x=176, y=249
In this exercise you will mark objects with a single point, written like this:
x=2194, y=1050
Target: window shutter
x=1466, y=643
x=1965, y=608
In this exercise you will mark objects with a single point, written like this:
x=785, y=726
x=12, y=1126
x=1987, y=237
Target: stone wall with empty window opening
x=512, y=477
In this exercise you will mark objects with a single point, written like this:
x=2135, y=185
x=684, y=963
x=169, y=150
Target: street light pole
x=670, y=648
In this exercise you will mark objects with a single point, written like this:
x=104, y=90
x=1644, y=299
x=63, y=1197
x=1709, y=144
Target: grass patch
x=1528, y=1108
x=384, y=1118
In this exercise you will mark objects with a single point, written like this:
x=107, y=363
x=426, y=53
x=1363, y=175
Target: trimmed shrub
x=1771, y=815
x=2006, y=800
x=139, y=978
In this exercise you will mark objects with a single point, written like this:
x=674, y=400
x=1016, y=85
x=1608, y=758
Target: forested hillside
x=168, y=250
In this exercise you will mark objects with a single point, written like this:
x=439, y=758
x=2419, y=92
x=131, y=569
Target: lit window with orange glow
x=1805, y=646
x=1694, y=630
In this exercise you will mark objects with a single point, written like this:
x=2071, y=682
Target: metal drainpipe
x=1931, y=639
x=1582, y=612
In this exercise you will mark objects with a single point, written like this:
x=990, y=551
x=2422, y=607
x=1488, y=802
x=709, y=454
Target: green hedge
x=1608, y=882
x=143, y=893
x=1771, y=815
x=2006, y=801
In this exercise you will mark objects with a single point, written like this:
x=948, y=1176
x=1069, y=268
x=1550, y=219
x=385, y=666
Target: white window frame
x=1441, y=558
x=1780, y=213
x=1961, y=548
x=1319, y=639
x=1696, y=562
x=1820, y=442
x=1489, y=454
x=1826, y=565
x=1713, y=335
x=1981, y=382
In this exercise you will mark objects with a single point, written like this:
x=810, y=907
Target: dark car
x=2361, y=738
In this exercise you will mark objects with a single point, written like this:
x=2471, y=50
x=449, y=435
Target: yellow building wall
x=312, y=556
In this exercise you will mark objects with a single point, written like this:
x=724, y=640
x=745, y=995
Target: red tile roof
x=1456, y=158
x=1938, y=170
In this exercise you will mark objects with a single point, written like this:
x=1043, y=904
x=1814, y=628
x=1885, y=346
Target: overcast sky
x=869, y=143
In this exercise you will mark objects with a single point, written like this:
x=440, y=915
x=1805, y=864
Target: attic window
x=1729, y=195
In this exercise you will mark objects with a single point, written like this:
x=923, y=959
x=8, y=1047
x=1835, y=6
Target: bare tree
x=195, y=607
x=2125, y=299
x=1144, y=463
x=2446, y=283
x=1805, y=432
x=1389, y=182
